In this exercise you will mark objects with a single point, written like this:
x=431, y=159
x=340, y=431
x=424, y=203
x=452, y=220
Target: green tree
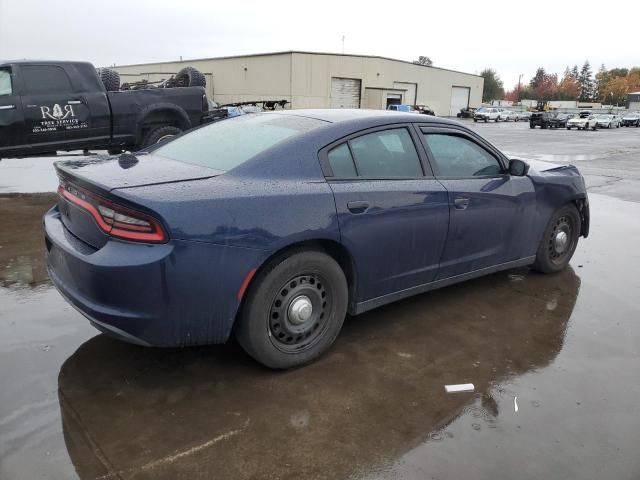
x=422, y=60
x=538, y=78
x=493, y=87
x=586, y=82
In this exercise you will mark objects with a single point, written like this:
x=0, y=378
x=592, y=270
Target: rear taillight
x=205, y=103
x=114, y=219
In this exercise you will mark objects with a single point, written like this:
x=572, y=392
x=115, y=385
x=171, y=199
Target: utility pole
x=519, y=77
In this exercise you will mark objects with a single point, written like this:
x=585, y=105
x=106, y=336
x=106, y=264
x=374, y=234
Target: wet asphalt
x=554, y=360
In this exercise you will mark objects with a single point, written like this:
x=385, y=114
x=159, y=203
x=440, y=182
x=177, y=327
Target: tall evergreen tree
x=538, y=78
x=574, y=72
x=493, y=88
x=586, y=82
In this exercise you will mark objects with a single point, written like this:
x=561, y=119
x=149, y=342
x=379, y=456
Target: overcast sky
x=514, y=37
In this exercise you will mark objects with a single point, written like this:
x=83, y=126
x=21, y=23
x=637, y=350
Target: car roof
x=354, y=116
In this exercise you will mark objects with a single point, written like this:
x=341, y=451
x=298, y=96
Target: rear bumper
x=174, y=294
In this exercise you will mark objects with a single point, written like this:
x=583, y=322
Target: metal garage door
x=459, y=99
x=345, y=93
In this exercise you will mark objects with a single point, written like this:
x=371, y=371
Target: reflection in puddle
x=377, y=395
x=22, y=251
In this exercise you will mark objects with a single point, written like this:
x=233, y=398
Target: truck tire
x=110, y=79
x=159, y=134
x=190, y=77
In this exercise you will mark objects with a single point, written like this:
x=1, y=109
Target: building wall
x=304, y=79
x=312, y=73
x=229, y=80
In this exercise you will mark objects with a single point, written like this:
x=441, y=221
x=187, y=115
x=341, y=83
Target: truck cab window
x=45, y=79
x=6, y=87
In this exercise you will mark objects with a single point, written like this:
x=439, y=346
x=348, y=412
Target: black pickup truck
x=48, y=106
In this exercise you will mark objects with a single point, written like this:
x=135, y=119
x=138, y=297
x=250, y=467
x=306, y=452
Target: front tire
x=559, y=241
x=293, y=310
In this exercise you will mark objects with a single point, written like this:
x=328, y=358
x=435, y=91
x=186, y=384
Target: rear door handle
x=461, y=203
x=7, y=107
x=359, y=206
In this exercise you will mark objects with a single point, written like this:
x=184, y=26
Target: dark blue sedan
x=275, y=226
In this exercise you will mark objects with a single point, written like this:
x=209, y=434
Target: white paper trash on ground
x=461, y=387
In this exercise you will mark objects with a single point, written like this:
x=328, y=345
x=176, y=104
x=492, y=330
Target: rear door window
x=341, y=161
x=386, y=153
x=45, y=79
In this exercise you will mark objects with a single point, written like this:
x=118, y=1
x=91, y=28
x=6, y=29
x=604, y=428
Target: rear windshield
x=228, y=143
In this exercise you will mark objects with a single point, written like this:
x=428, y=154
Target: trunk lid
x=128, y=170
x=98, y=177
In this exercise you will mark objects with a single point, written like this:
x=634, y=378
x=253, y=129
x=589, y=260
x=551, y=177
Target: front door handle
x=7, y=107
x=359, y=206
x=461, y=203
x=74, y=102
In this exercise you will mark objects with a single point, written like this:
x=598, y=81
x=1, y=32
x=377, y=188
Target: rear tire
x=159, y=134
x=559, y=240
x=110, y=79
x=268, y=327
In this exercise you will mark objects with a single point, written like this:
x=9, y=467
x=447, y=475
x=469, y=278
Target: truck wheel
x=110, y=79
x=159, y=134
x=293, y=310
x=532, y=126
x=190, y=77
x=559, y=241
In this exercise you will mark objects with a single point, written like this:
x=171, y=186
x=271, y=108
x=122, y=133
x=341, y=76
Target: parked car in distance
x=548, y=120
x=466, y=112
x=424, y=109
x=631, y=120
x=195, y=239
x=485, y=114
x=402, y=108
x=608, y=121
x=582, y=123
x=506, y=115
x=522, y=116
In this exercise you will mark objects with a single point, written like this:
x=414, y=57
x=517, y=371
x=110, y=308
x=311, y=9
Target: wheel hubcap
x=560, y=241
x=300, y=310
x=299, y=313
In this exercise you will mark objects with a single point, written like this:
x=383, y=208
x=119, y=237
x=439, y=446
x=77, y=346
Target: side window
x=386, y=153
x=341, y=161
x=6, y=87
x=45, y=79
x=456, y=156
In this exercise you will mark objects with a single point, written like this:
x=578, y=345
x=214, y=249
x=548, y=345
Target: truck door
x=11, y=119
x=55, y=115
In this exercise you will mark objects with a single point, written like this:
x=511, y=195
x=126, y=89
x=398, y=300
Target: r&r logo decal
x=58, y=113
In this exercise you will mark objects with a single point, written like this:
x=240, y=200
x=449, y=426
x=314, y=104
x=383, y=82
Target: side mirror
x=518, y=168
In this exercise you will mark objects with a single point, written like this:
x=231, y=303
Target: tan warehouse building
x=324, y=80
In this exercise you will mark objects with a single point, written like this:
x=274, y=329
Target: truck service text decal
x=56, y=118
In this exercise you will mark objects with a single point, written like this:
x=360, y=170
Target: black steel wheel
x=293, y=310
x=559, y=241
x=299, y=313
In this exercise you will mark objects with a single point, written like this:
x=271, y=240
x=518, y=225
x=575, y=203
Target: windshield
x=480, y=110
x=228, y=143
